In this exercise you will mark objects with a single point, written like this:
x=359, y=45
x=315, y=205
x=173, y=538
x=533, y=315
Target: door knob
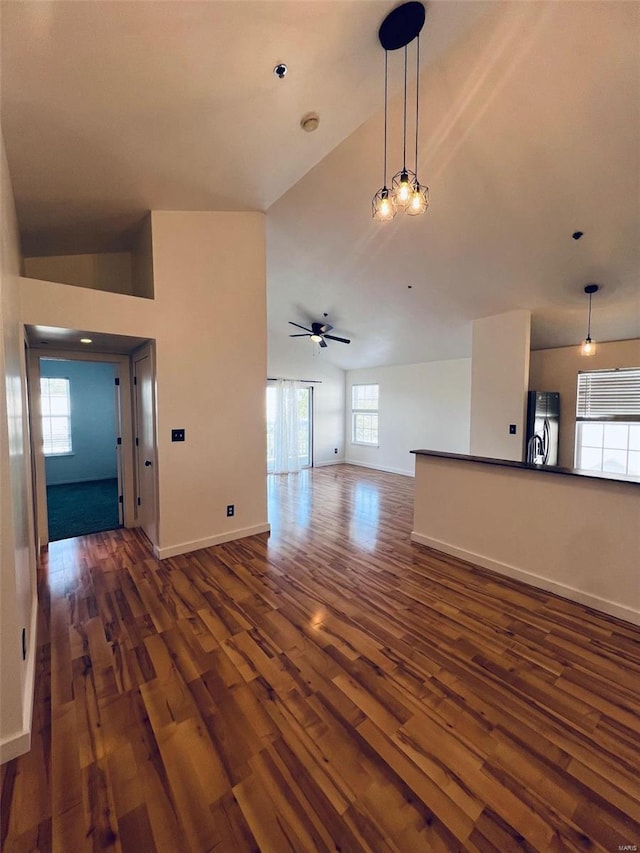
x=147, y=463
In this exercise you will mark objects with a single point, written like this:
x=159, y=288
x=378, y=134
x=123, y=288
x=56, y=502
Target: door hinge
x=135, y=380
x=117, y=380
x=119, y=499
x=139, y=501
x=119, y=440
x=136, y=441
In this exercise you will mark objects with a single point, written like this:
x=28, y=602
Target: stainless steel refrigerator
x=543, y=426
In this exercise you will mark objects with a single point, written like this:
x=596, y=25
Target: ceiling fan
x=318, y=332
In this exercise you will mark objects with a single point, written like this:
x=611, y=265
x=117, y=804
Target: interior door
x=145, y=449
x=119, y=460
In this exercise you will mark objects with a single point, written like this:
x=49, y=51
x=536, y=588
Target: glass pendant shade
x=383, y=205
x=418, y=200
x=588, y=347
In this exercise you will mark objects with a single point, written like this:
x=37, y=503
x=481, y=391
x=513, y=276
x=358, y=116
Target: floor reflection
x=64, y=565
x=363, y=527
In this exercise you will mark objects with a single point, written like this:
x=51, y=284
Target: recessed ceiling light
x=86, y=341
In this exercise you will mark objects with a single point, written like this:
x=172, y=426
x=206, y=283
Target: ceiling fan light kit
x=401, y=26
x=318, y=333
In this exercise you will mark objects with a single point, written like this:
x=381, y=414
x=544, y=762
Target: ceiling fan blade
x=325, y=328
x=323, y=343
x=299, y=336
x=291, y=323
x=334, y=338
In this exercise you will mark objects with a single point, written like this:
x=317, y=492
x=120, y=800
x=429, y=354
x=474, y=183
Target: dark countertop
x=545, y=469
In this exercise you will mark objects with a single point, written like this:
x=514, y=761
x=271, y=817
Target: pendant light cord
x=589, y=324
x=404, y=139
x=417, y=101
x=384, y=170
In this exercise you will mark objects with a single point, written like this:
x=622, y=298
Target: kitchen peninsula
x=573, y=533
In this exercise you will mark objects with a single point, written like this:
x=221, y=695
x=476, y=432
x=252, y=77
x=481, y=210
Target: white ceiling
x=530, y=116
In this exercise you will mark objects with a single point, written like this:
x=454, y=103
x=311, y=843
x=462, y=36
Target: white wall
x=421, y=406
x=300, y=359
x=211, y=357
x=575, y=536
x=208, y=319
x=17, y=544
x=557, y=370
x=499, y=382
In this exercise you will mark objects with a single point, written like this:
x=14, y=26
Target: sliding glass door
x=289, y=417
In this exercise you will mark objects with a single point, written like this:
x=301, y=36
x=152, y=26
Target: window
x=364, y=414
x=608, y=421
x=56, y=416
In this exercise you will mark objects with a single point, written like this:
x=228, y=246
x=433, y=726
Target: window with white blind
x=56, y=416
x=364, y=414
x=608, y=421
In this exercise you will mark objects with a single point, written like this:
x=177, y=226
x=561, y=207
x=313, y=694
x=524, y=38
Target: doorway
x=80, y=422
x=289, y=426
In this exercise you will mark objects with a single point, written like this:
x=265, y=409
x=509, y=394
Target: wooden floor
x=329, y=687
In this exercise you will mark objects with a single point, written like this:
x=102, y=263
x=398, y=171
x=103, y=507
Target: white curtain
x=286, y=428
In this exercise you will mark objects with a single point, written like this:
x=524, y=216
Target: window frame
x=605, y=414
x=361, y=411
x=47, y=439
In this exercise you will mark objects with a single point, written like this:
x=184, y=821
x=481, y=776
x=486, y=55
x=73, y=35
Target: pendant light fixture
x=588, y=346
x=401, y=26
x=383, y=204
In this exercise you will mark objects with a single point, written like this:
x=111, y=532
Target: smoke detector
x=310, y=122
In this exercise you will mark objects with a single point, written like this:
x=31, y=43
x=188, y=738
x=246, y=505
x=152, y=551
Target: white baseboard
x=20, y=742
x=335, y=461
x=538, y=581
x=220, y=539
x=404, y=473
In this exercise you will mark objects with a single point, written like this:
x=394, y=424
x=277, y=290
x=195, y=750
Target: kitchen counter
x=525, y=466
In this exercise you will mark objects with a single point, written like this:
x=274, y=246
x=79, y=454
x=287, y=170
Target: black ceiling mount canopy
x=402, y=25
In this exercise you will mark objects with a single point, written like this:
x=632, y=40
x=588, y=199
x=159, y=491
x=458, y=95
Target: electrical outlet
x=231, y=510
x=335, y=449
x=177, y=435
x=512, y=429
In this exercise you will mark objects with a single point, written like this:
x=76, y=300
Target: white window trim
x=596, y=404
x=356, y=411
x=55, y=454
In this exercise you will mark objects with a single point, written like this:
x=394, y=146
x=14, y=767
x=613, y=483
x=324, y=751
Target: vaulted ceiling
x=530, y=118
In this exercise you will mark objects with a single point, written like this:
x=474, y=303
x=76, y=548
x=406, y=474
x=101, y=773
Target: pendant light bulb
x=384, y=206
x=418, y=201
x=588, y=347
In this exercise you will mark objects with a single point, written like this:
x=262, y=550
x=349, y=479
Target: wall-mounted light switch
x=512, y=429
x=177, y=435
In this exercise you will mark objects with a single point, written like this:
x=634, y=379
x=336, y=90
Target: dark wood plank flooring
x=329, y=687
